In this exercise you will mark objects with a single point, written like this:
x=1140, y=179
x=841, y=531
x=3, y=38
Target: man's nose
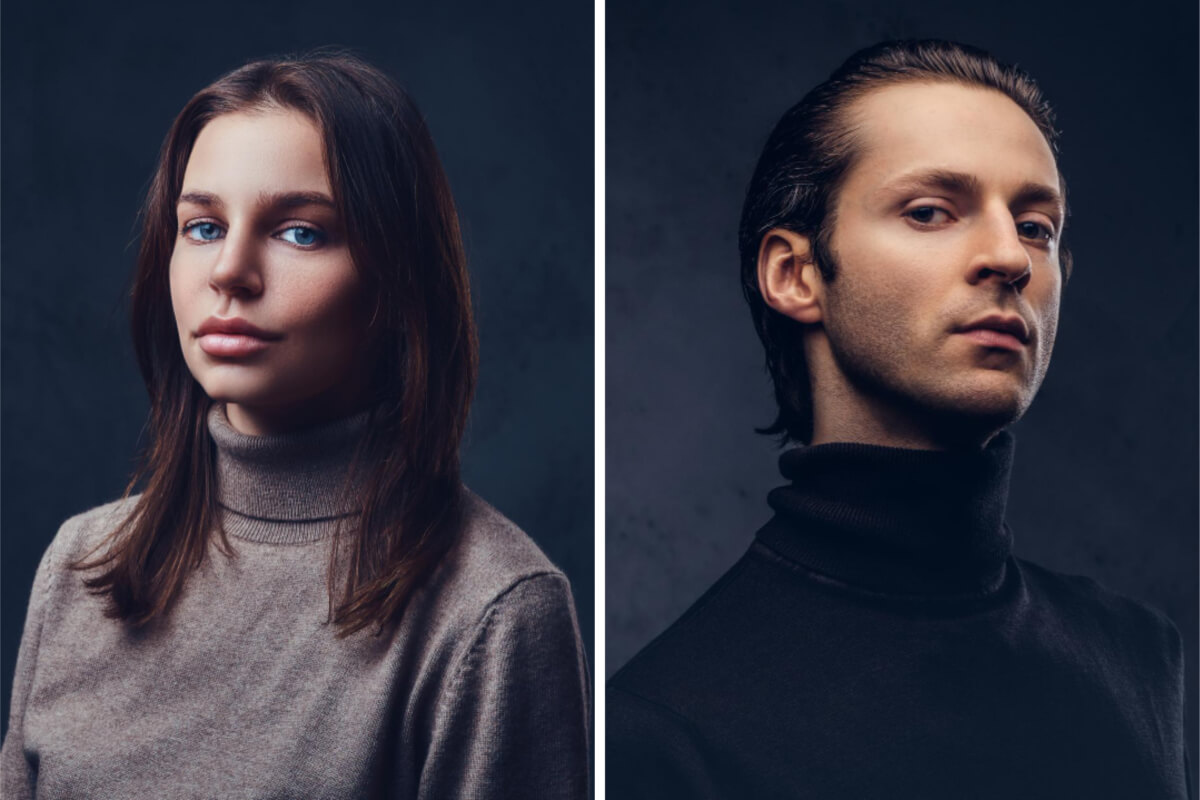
x=1000, y=253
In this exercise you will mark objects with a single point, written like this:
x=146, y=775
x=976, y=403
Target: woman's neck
x=289, y=487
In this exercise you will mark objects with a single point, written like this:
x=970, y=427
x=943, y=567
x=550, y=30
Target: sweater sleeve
x=18, y=777
x=513, y=721
x=652, y=752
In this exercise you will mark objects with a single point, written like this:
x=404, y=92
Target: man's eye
x=302, y=236
x=1035, y=230
x=927, y=215
x=202, y=231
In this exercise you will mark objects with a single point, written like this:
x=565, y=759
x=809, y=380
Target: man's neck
x=909, y=438
x=884, y=422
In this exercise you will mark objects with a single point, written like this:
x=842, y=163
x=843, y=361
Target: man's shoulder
x=665, y=672
x=1124, y=622
x=666, y=704
x=657, y=701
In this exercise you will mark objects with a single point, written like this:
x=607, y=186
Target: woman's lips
x=231, y=345
x=232, y=337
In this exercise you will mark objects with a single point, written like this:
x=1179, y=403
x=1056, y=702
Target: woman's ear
x=788, y=278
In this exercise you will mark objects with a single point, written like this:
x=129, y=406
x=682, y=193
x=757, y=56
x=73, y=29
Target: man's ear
x=788, y=279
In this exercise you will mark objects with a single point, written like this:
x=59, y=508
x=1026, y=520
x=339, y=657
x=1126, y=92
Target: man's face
x=946, y=296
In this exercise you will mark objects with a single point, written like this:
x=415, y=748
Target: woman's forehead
x=244, y=156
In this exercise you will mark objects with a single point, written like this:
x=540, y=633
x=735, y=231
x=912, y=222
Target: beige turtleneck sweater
x=245, y=691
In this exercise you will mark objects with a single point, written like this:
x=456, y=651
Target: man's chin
x=947, y=408
x=993, y=393
x=975, y=413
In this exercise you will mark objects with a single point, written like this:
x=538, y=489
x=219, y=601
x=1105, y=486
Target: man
x=902, y=258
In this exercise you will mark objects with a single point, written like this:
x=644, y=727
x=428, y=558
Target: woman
x=303, y=601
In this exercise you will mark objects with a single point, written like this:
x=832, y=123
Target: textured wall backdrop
x=89, y=92
x=1105, y=479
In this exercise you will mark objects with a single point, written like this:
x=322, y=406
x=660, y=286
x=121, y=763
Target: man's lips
x=232, y=338
x=1008, y=332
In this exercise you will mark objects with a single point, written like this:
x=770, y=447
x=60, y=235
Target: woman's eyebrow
x=265, y=199
x=205, y=199
x=294, y=199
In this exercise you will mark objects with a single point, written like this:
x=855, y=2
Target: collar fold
x=915, y=522
x=285, y=488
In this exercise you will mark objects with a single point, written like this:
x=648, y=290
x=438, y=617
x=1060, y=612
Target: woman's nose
x=237, y=269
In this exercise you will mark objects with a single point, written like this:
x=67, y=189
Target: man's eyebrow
x=943, y=179
x=1035, y=193
x=951, y=181
x=265, y=199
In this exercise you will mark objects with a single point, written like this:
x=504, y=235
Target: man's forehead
x=913, y=130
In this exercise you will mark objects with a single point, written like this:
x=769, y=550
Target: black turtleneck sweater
x=879, y=640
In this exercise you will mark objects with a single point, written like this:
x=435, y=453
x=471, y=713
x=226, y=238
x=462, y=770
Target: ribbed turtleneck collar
x=913, y=522
x=286, y=488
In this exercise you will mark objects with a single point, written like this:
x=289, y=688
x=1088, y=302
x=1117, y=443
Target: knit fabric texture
x=245, y=690
x=879, y=639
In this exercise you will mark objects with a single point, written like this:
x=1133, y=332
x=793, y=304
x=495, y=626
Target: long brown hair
x=394, y=201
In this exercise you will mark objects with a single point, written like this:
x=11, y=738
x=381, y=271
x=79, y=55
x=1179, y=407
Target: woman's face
x=266, y=298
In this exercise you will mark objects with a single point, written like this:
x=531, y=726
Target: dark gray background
x=1105, y=479
x=89, y=92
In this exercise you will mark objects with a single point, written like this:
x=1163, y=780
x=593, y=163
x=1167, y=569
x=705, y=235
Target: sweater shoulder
x=494, y=592
x=492, y=556
x=684, y=650
x=82, y=533
x=1079, y=597
x=496, y=547
x=1090, y=593
x=57, y=588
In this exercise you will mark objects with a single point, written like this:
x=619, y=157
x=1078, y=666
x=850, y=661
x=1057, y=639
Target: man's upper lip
x=1012, y=324
x=235, y=326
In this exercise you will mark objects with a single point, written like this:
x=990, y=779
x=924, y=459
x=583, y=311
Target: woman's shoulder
x=493, y=585
x=493, y=551
x=82, y=533
x=495, y=563
x=78, y=537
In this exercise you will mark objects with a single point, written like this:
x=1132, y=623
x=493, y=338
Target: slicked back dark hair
x=803, y=166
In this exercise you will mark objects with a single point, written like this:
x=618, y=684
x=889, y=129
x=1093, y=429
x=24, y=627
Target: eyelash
x=1046, y=233
x=320, y=235
x=914, y=210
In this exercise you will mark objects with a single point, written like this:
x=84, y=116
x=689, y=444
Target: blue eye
x=302, y=236
x=202, y=231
